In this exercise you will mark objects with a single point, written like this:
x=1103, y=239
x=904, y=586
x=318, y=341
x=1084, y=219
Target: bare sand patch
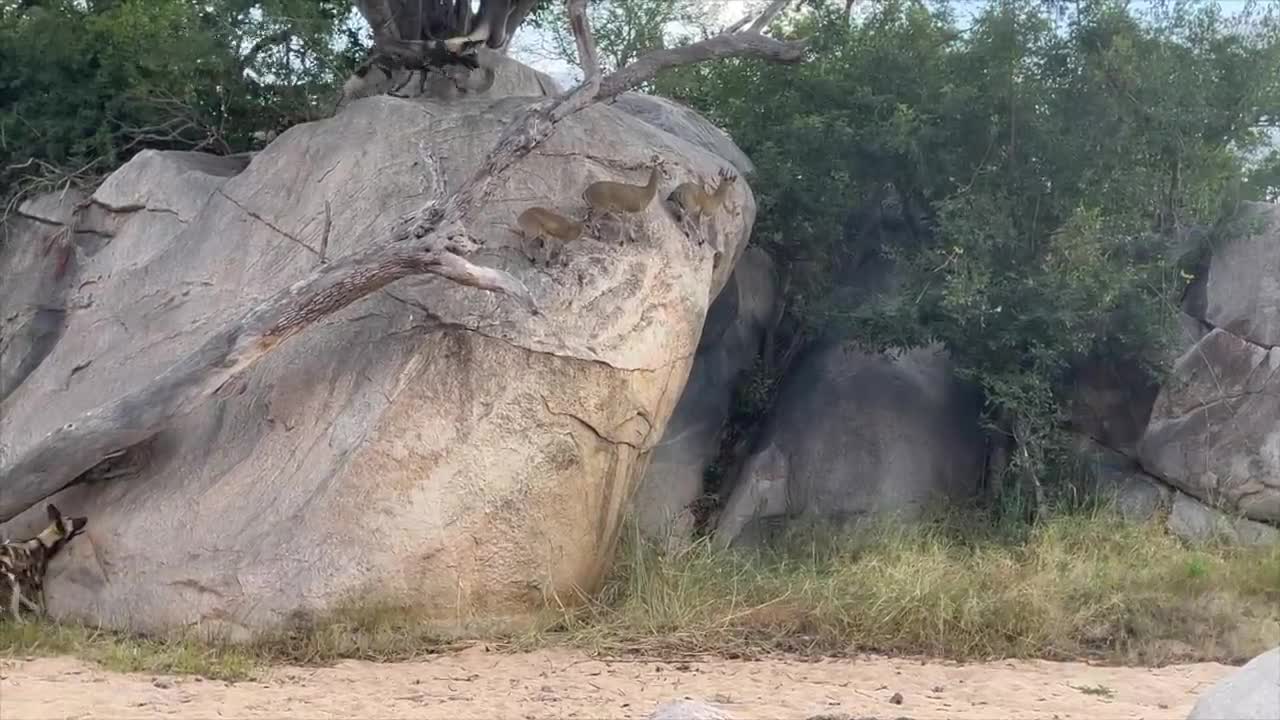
x=562, y=683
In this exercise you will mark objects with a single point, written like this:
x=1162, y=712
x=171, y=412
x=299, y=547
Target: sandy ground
x=566, y=684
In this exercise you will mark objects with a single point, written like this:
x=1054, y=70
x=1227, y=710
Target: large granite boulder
x=1250, y=693
x=1242, y=286
x=431, y=445
x=731, y=338
x=1214, y=431
x=857, y=434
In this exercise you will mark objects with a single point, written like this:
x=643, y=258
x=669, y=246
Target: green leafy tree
x=1060, y=157
x=85, y=85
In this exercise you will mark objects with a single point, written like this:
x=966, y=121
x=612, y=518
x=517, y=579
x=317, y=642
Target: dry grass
x=1076, y=586
x=374, y=633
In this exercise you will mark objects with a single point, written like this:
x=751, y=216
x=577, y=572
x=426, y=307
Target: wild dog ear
x=52, y=512
x=77, y=525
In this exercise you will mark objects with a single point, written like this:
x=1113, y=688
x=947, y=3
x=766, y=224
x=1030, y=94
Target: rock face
x=430, y=445
x=1215, y=427
x=731, y=338
x=1242, y=288
x=856, y=434
x=1250, y=693
x=33, y=293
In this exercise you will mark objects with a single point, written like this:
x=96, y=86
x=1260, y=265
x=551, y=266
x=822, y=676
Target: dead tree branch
x=736, y=44
x=433, y=240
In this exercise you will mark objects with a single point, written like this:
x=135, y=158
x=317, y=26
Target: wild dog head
x=60, y=529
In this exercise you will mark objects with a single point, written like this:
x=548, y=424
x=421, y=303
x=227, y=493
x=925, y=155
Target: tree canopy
x=84, y=85
x=1064, y=157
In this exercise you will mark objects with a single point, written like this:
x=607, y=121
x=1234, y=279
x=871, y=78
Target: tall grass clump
x=1075, y=586
x=376, y=632
x=120, y=652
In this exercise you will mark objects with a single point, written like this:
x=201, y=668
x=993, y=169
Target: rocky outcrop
x=1212, y=430
x=430, y=445
x=1242, y=286
x=1138, y=497
x=731, y=337
x=1250, y=693
x=857, y=434
x=1215, y=428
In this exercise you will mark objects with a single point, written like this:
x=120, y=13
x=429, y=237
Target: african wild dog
x=23, y=562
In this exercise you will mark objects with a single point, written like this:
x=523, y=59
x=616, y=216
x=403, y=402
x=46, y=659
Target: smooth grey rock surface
x=1242, y=287
x=1197, y=523
x=731, y=338
x=1214, y=431
x=856, y=434
x=1250, y=693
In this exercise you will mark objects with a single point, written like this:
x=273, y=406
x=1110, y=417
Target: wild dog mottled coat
x=23, y=562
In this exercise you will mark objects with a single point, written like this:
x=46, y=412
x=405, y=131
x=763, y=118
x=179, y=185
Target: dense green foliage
x=84, y=85
x=1061, y=159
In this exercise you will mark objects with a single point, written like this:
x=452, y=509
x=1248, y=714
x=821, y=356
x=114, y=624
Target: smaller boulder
x=1198, y=523
x=1120, y=482
x=1250, y=693
x=1138, y=497
x=856, y=434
